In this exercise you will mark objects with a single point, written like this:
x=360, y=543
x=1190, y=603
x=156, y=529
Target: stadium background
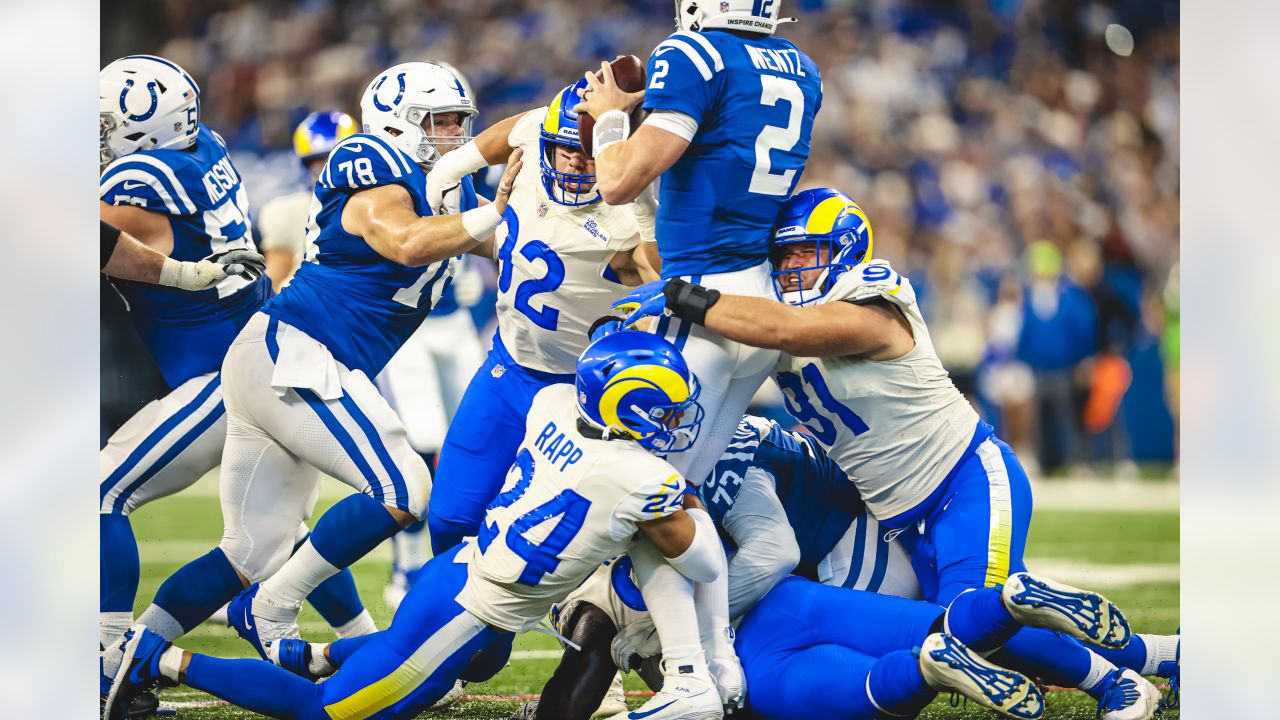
x=1023, y=173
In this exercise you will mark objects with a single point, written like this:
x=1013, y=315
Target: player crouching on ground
x=589, y=461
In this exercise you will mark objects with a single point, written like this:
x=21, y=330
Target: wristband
x=611, y=127
x=688, y=301
x=109, y=237
x=170, y=272
x=481, y=222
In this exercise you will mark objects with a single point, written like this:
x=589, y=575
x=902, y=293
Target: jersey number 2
x=548, y=317
x=772, y=137
x=801, y=406
x=540, y=558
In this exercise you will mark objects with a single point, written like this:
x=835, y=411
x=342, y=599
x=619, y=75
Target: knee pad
x=254, y=559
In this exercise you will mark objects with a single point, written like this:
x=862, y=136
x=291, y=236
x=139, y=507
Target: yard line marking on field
x=1094, y=575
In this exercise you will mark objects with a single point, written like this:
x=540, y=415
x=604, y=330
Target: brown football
x=628, y=72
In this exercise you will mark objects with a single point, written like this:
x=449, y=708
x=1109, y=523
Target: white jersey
x=283, y=223
x=554, y=277
x=896, y=427
x=569, y=503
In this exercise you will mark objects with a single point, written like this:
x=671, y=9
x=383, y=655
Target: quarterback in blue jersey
x=861, y=373
x=299, y=395
x=169, y=185
x=731, y=111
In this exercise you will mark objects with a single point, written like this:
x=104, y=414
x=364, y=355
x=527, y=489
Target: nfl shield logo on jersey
x=542, y=209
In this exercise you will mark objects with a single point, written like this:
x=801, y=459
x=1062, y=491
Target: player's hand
x=242, y=262
x=507, y=183
x=648, y=300
x=601, y=96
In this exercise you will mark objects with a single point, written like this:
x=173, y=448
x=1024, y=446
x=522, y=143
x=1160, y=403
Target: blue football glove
x=648, y=300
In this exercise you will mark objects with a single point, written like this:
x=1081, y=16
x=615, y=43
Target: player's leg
x=582, y=677
x=337, y=599
x=357, y=439
x=480, y=446
x=1147, y=654
x=164, y=448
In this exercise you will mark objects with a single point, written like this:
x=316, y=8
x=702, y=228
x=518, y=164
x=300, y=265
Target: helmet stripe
x=552, y=123
x=822, y=218
x=633, y=378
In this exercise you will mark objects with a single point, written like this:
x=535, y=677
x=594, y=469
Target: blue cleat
x=1087, y=616
x=1127, y=696
x=948, y=665
x=294, y=655
x=1172, y=670
x=240, y=618
x=139, y=671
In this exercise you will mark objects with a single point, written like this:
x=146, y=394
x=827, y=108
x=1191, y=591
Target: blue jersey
x=346, y=295
x=200, y=192
x=754, y=101
x=819, y=499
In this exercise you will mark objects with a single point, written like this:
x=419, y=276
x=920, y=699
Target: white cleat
x=731, y=682
x=451, y=697
x=394, y=592
x=948, y=665
x=1084, y=615
x=684, y=696
x=1130, y=697
x=615, y=699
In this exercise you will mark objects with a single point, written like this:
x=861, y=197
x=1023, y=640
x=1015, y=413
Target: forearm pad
x=110, y=236
x=688, y=301
x=704, y=559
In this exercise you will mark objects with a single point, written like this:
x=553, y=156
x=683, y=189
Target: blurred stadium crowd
x=1023, y=172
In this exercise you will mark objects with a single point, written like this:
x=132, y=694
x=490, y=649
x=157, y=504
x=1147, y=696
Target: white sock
x=1098, y=669
x=669, y=596
x=160, y=622
x=319, y=665
x=1160, y=649
x=711, y=600
x=111, y=625
x=284, y=592
x=361, y=624
x=171, y=663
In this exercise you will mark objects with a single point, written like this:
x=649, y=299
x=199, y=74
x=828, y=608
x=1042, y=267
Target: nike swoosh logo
x=132, y=185
x=659, y=51
x=134, y=677
x=639, y=715
x=248, y=620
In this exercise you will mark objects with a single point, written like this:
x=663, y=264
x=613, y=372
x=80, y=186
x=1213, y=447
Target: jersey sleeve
x=657, y=491
x=470, y=200
x=871, y=281
x=145, y=181
x=364, y=161
x=527, y=130
x=720, y=490
x=681, y=74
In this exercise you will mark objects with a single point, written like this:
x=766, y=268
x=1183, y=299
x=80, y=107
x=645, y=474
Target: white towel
x=304, y=363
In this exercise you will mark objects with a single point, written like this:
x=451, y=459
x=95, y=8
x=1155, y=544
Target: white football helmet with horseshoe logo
x=145, y=103
x=402, y=102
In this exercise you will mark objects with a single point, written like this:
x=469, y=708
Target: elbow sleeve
x=704, y=559
x=109, y=238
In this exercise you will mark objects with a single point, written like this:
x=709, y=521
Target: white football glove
x=204, y=274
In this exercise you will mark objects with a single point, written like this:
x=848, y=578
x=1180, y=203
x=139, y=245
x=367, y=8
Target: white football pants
x=729, y=372
x=276, y=444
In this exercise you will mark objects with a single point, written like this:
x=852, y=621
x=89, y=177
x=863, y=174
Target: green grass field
x=1131, y=556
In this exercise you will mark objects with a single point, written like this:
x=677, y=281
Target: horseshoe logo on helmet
x=124, y=107
x=399, y=95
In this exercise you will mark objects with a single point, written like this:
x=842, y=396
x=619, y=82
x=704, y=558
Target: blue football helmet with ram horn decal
x=820, y=231
x=635, y=384
x=561, y=128
x=318, y=133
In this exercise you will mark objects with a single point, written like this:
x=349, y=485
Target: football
x=628, y=72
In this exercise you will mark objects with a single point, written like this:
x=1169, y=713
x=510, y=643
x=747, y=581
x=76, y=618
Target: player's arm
x=767, y=547
x=690, y=546
x=490, y=147
x=124, y=257
x=385, y=218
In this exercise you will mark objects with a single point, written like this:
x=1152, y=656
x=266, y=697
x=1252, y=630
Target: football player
x=731, y=112
x=860, y=372
x=299, y=393
x=587, y=470
x=563, y=257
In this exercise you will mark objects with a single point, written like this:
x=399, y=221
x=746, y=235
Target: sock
x=171, y=663
x=256, y=685
x=711, y=601
x=979, y=619
x=669, y=596
x=1144, y=653
x=896, y=686
x=409, y=551
x=344, y=534
x=342, y=649
x=1056, y=659
x=337, y=600
x=190, y=595
x=361, y=624
x=118, y=572
x=318, y=664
